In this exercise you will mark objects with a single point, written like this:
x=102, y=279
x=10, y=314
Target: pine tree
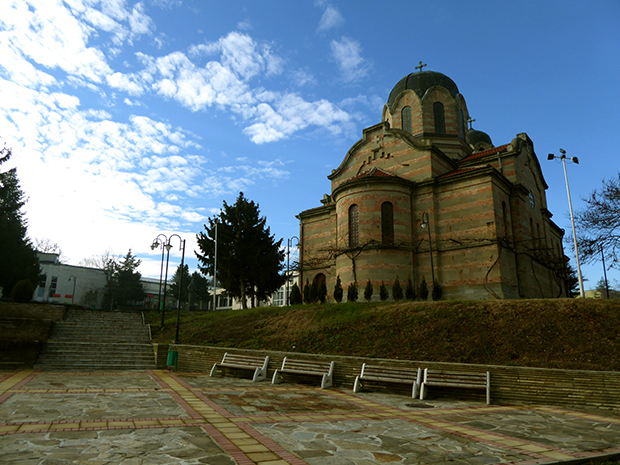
x=295, y=297
x=368, y=291
x=397, y=291
x=409, y=290
x=423, y=289
x=249, y=259
x=338, y=292
x=18, y=259
x=436, y=291
x=176, y=279
x=383, y=292
x=125, y=287
x=322, y=292
x=352, y=293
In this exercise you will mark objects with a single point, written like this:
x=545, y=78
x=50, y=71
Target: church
x=422, y=196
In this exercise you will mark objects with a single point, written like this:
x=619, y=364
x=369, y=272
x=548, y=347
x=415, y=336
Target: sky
x=132, y=119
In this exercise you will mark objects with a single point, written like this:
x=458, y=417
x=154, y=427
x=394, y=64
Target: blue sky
x=129, y=119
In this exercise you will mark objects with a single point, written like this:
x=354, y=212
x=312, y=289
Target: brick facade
x=491, y=235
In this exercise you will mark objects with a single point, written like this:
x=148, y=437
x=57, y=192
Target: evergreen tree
x=176, y=279
x=249, y=259
x=397, y=291
x=436, y=292
x=295, y=297
x=307, y=293
x=368, y=291
x=18, y=259
x=322, y=292
x=201, y=287
x=314, y=291
x=383, y=292
x=129, y=289
x=423, y=289
x=409, y=290
x=338, y=292
x=352, y=293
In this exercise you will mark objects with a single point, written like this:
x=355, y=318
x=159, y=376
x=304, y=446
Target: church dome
x=476, y=137
x=420, y=82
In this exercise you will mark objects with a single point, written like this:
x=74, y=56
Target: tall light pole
x=425, y=224
x=288, y=252
x=182, y=248
x=156, y=243
x=570, y=207
x=75, y=280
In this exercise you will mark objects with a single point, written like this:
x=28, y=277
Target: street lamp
x=288, y=252
x=425, y=224
x=157, y=242
x=181, y=247
x=570, y=207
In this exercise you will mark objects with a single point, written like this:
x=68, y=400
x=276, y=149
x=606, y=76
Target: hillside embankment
x=562, y=333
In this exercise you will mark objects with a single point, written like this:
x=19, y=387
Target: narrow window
x=354, y=226
x=440, y=121
x=405, y=115
x=387, y=223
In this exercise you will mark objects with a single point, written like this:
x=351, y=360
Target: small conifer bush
x=307, y=292
x=352, y=293
x=295, y=297
x=368, y=291
x=383, y=292
x=409, y=290
x=322, y=292
x=397, y=291
x=436, y=292
x=338, y=292
x=423, y=289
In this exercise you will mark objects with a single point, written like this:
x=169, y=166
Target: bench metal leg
x=357, y=385
x=423, y=389
x=326, y=381
x=260, y=374
x=214, y=370
x=276, y=379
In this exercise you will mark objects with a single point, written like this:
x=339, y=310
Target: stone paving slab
x=161, y=417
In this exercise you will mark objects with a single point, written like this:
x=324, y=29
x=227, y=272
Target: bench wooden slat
x=388, y=375
x=306, y=367
x=244, y=362
x=466, y=380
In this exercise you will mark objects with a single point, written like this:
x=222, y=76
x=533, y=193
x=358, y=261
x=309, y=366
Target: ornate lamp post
x=157, y=242
x=288, y=252
x=182, y=248
x=425, y=224
x=570, y=207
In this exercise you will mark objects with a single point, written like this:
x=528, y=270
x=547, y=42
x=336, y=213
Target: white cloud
x=331, y=18
x=347, y=53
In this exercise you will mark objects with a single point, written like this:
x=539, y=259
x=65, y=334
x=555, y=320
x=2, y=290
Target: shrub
x=314, y=292
x=409, y=290
x=295, y=297
x=397, y=291
x=22, y=291
x=307, y=292
x=352, y=293
x=423, y=289
x=436, y=292
x=338, y=292
x=321, y=294
x=368, y=290
x=383, y=292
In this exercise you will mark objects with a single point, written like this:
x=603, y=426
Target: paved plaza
x=162, y=417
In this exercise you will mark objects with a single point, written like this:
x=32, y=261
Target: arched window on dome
x=354, y=226
x=440, y=120
x=387, y=223
x=405, y=116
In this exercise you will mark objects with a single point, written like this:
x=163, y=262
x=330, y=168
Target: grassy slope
x=567, y=333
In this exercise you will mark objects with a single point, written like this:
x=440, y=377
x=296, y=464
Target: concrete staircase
x=98, y=340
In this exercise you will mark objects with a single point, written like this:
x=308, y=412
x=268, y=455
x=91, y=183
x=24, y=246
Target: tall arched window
x=440, y=120
x=354, y=226
x=387, y=223
x=405, y=116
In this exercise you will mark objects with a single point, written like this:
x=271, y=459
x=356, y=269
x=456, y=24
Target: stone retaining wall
x=509, y=385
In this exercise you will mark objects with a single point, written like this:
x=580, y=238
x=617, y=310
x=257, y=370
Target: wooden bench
x=385, y=374
x=305, y=367
x=466, y=380
x=243, y=362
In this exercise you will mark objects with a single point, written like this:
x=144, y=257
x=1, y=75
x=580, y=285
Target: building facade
x=423, y=196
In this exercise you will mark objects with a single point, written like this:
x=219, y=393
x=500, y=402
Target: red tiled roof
x=484, y=153
x=373, y=173
x=462, y=170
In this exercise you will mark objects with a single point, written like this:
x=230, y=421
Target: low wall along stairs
x=98, y=340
